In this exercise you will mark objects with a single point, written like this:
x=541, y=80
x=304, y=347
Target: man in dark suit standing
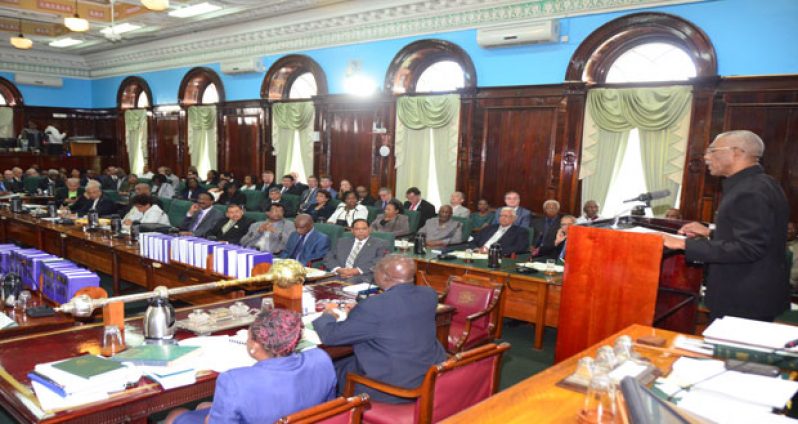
x=234, y=227
x=546, y=228
x=392, y=334
x=201, y=218
x=415, y=203
x=306, y=244
x=93, y=199
x=352, y=259
x=748, y=275
x=511, y=238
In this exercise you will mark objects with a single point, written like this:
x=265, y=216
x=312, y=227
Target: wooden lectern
x=83, y=147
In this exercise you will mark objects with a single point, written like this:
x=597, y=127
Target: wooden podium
x=83, y=147
x=615, y=278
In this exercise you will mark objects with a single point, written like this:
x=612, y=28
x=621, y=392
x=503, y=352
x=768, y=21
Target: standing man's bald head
x=394, y=269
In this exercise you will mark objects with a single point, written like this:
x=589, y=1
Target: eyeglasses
x=711, y=150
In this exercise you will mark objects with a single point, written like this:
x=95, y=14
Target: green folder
x=87, y=366
x=154, y=355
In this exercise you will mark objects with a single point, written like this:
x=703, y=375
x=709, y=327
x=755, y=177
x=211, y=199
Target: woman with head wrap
x=280, y=383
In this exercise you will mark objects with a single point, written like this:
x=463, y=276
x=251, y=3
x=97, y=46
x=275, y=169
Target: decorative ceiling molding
x=327, y=26
x=40, y=62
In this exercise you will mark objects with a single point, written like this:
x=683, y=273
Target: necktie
x=562, y=254
x=228, y=226
x=199, y=219
x=384, y=204
x=350, y=260
x=298, y=248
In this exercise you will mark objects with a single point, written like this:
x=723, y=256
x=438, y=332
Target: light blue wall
x=751, y=37
x=76, y=93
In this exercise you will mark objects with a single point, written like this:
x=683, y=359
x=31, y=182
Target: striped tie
x=350, y=261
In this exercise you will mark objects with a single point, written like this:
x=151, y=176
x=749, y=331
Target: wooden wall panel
x=241, y=147
x=165, y=147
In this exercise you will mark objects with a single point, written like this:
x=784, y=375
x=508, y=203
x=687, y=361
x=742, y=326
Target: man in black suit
x=93, y=199
x=267, y=182
x=748, y=275
x=512, y=238
x=201, y=217
x=290, y=186
x=12, y=183
x=308, y=198
x=546, y=228
x=276, y=198
x=415, y=203
x=392, y=334
x=352, y=259
x=234, y=227
x=53, y=180
x=385, y=197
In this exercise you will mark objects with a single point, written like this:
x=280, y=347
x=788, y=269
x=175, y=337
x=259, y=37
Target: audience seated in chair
x=512, y=238
x=523, y=217
x=392, y=221
x=414, y=202
x=392, y=334
x=93, y=199
x=441, y=231
x=270, y=235
x=233, y=227
x=546, y=228
x=349, y=211
x=280, y=383
x=306, y=244
x=144, y=211
x=201, y=218
x=352, y=258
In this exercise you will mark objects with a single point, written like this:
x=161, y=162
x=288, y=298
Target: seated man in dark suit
x=232, y=195
x=306, y=244
x=546, y=228
x=71, y=195
x=352, y=259
x=276, y=198
x=234, y=227
x=201, y=218
x=385, y=196
x=415, y=203
x=290, y=186
x=392, y=334
x=523, y=217
x=266, y=182
x=93, y=199
x=53, y=180
x=512, y=238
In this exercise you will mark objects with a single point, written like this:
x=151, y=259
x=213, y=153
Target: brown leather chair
x=476, y=318
x=448, y=388
x=341, y=410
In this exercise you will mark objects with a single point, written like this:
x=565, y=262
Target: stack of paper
x=6, y=322
x=749, y=332
x=79, y=380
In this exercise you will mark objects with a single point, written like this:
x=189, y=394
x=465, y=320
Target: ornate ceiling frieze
x=319, y=28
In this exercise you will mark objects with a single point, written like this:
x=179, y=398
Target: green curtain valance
x=293, y=116
x=650, y=109
x=421, y=112
x=202, y=117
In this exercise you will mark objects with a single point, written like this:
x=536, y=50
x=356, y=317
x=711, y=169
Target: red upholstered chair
x=341, y=410
x=458, y=383
x=476, y=317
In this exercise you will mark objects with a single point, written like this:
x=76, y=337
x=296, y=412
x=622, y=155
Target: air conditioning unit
x=40, y=80
x=242, y=66
x=528, y=33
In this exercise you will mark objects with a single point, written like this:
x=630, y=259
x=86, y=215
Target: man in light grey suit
x=270, y=235
x=201, y=217
x=352, y=259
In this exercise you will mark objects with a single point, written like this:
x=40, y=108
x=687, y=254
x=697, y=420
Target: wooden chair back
x=341, y=410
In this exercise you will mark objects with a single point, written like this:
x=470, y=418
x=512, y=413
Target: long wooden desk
x=532, y=298
x=539, y=400
x=19, y=355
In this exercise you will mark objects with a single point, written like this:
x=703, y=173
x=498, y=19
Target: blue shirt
x=270, y=389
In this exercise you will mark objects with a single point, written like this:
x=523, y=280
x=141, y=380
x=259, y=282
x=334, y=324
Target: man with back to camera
x=745, y=253
x=392, y=334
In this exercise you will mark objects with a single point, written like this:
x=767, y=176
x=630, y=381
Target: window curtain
x=662, y=116
x=202, y=138
x=602, y=155
x=292, y=129
x=136, y=139
x=427, y=126
x=7, y=122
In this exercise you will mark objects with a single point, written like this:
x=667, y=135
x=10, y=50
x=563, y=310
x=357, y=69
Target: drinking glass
x=23, y=300
x=267, y=304
x=112, y=341
x=469, y=256
x=550, y=266
x=599, y=405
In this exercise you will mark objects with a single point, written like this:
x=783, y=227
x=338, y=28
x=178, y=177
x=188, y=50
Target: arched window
x=427, y=66
x=642, y=156
x=9, y=95
x=293, y=77
x=134, y=92
x=201, y=86
x=638, y=38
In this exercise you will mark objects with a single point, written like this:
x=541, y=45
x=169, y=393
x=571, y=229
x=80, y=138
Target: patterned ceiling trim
x=421, y=17
x=40, y=62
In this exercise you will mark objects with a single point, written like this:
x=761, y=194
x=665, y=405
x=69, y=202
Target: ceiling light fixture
x=76, y=23
x=120, y=28
x=65, y=42
x=194, y=10
x=156, y=5
x=20, y=41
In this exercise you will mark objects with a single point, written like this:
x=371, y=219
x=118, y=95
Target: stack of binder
x=753, y=341
x=236, y=261
x=155, y=246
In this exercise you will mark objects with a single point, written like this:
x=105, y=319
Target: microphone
x=652, y=195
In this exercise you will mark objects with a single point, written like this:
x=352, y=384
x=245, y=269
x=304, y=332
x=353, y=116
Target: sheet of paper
x=460, y=254
x=6, y=322
x=750, y=332
x=218, y=354
x=722, y=409
x=650, y=231
x=50, y=400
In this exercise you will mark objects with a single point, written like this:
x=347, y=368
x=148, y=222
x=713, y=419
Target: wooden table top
x=539, y=400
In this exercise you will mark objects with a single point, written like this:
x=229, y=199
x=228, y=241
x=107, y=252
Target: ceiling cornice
x=335, y=25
